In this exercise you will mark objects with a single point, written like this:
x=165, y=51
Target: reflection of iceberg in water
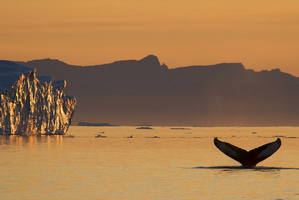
x=32, y=140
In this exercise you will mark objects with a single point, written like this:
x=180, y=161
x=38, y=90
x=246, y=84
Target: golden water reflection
x=177, y=164
x=31, y=140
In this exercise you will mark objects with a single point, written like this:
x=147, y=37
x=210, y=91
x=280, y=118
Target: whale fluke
x=248, y=158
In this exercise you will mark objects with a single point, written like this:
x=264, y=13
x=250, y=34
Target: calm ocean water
x=159, y=163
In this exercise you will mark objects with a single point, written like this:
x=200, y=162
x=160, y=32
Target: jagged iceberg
x=32, y=105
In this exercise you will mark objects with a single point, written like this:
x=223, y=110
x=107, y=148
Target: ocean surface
x=158, y=163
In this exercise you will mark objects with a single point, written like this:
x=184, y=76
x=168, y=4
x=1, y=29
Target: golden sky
x=261, y=34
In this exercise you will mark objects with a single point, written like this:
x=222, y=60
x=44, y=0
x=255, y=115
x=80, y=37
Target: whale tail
x=248, y=158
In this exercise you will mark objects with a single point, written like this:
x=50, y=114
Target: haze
x=259, y=34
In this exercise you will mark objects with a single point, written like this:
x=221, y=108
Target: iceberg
x=32, y=105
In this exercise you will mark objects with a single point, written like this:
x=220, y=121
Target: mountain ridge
x=150, y=59
x=144, y=91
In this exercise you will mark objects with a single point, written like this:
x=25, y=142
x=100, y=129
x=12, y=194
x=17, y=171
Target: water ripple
x=260, y=168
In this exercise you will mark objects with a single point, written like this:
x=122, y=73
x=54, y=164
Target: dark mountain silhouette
x=144, y=91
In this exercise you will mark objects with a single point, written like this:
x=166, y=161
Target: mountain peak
x=151, y=59
x=47, y=61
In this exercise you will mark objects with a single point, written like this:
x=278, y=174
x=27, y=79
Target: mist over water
x=157, y=163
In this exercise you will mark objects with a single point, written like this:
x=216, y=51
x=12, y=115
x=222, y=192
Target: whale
x=248, y=159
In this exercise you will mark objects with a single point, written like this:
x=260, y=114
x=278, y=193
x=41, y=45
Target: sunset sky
x=261, y=34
